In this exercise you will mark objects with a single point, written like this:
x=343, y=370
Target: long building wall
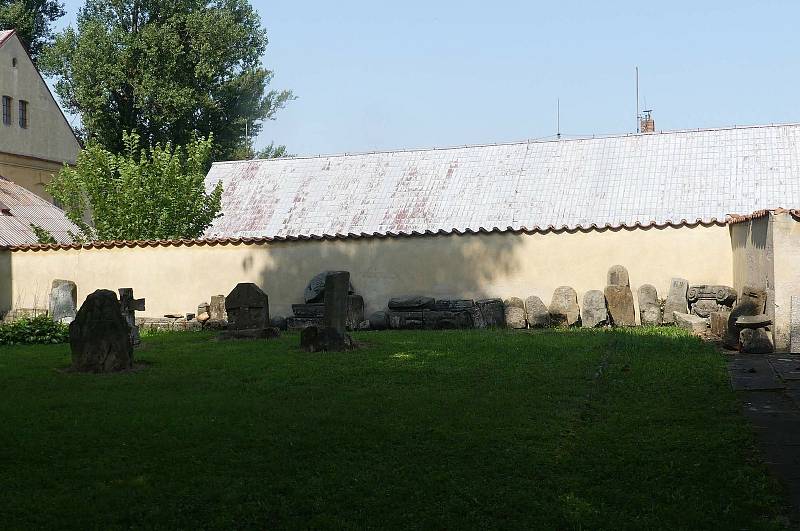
x=176, y=279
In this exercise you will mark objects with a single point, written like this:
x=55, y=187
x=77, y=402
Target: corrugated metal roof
x=20, y=207
x=670, y=178
x=4, y=35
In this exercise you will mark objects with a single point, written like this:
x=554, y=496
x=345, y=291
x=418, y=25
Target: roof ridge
x=518, y=142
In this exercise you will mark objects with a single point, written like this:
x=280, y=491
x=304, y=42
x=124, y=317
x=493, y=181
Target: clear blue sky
x=375, y=75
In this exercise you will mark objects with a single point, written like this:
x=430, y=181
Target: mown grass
x=625, y=429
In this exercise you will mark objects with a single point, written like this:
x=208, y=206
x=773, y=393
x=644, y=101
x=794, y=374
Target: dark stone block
x=405, y=320
x=315, y=339
x=355, y=311
x=453, y=305
x=99, y=337
x=315, y=290
x=411, y=303
x=444, y=320
x=379, y=321
x=299, y=323
x=493, y=312
x=314, y=309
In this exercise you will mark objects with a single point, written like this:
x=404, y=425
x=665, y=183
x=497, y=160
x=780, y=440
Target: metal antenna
x=558, y=118
x=638, y=117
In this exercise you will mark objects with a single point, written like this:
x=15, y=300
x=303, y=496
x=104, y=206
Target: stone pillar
x=336, y=286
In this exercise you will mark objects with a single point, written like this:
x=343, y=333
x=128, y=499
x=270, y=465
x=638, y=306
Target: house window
x=14, y=62
x=23, y=114
x=6, y=110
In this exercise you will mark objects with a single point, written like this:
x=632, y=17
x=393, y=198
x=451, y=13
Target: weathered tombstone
x=676, y=299
x=63, y=301
x=719, y=323
x=753, y=301
x=355, y=311
x=129, y=306
x=217, y=308
x=692, y=323
x=247, y=308
x=537, y=313
x=411, y=303
x=99, y=337
x=649, y=307
x=492, y=313
x=333, y=335
x=515, y=313
x=203, y=312
x=593, y=310
x=378, y=321
x=756, y=341
x=564, y=309
x=794, y=326
x=620, y=305
x=618, y=276
x=704, y=299
x=315, y=290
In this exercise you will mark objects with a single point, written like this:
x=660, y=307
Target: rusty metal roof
x=20, y=207
x=670, y=178
x=4, y=35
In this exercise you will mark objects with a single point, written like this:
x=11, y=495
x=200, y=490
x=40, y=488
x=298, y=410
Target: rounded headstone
x=649, y=307
x=63, y=301
x=564, y=310
x=99, y=337
x=620, y=305
x=315, y=290
x=536, y=312
x=515, y=313
x=593, y=311
x=618, y=276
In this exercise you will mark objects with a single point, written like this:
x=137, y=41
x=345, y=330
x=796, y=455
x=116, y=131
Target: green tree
x=31, y=19
x=246, y=152
x=165, y=69
x=139, y=194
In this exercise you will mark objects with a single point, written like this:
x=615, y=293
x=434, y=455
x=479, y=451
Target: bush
x=33, y=330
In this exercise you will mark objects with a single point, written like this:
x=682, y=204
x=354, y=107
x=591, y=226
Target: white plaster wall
x=48, y=136
x=177, y=279
x=786, y=234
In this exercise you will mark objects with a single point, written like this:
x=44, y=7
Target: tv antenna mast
x=638, y=114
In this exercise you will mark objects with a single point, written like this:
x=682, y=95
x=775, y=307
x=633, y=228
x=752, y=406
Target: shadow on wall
x=6, y=275
x=381, y=268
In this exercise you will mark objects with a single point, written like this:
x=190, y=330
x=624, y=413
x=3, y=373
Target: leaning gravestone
x=315, y=290
x=99, y=337
x=537, y=313
x=620, y=305
x=128, y=306
x=564, y=310
x=649, y=307
x=333, y=335
x=593, y=310
x=63, y=301
x=618, y=276
x=676, y=299
x=752, y=302
x=217, y=308
x=248, y=313
x=515, y=313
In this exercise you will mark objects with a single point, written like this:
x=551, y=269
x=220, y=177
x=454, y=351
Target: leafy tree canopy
x=32, y=20
x=139, y=194
x=165, y=69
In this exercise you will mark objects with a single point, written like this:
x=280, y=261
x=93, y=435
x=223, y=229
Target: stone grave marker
x=593, y=310
x=649, y=306
x=753, y=301
x=618, y=276
x=63, y=301
x=515, y=313
x=247, y=308
x=676, y=300
x=537, y=313
x=99, y=337
x=333, y=335
x=564, y=309
x=129, y=306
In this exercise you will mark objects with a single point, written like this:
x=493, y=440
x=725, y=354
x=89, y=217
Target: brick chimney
x=648, y=125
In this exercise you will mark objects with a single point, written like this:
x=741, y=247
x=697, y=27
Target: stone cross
x=129, y=306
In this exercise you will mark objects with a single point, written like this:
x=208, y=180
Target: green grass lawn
x=574, y=429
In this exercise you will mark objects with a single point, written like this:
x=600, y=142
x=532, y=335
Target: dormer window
x=6, y=110
x=23, y=114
